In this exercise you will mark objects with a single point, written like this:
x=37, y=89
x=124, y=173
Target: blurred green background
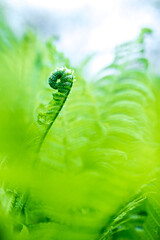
x=97, y=170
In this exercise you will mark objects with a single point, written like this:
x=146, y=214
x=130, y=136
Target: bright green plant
x=84, y=163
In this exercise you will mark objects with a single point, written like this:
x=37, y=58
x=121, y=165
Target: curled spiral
x=62, y=80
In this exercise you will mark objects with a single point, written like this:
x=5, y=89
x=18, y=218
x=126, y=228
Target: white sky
x=109, y=23
x=67, y=5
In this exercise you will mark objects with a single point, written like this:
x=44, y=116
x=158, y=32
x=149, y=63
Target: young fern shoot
x=61, y=80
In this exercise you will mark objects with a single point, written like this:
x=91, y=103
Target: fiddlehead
x=61, y=80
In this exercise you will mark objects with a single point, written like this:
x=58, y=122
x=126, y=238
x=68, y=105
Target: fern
x=96, y=169
x=128, y=224
x=61, y=80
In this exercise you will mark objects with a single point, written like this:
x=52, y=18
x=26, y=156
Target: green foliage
x=97, y=176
